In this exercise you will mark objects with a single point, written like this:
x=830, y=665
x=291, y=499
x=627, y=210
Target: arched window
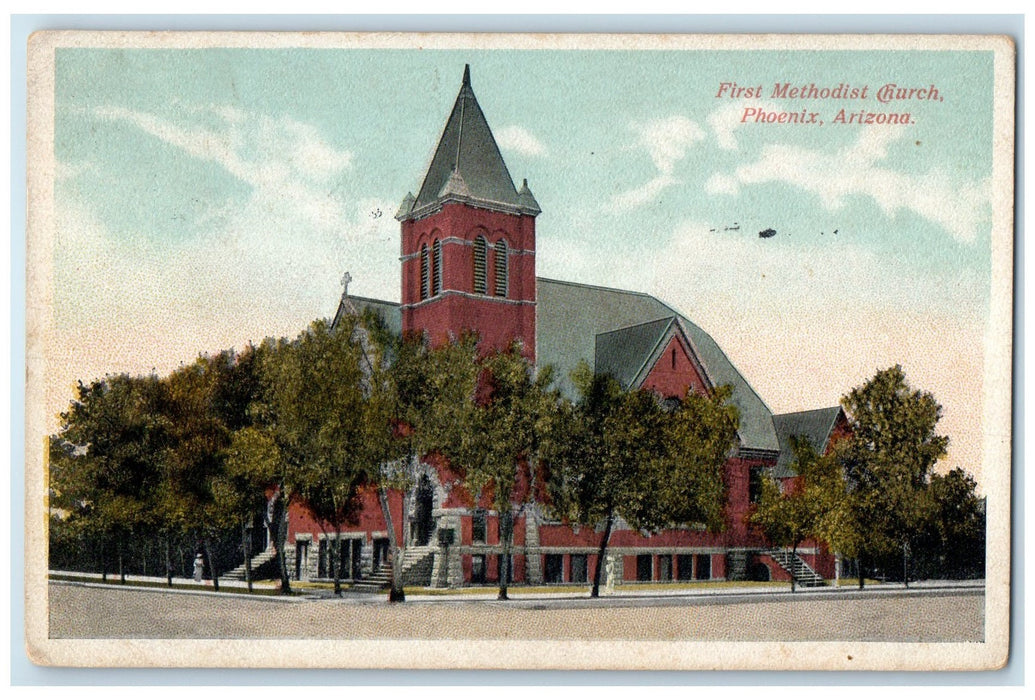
x=481, y=248
x=673, y=358
x=436, y=264
x=425, y=287
x=501, y=268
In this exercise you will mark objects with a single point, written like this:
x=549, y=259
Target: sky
x=207, y=198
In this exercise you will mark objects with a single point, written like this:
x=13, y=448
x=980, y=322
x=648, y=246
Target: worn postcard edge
x=518, y=654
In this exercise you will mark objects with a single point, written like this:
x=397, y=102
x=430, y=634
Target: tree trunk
x=905, y=564
x=595, y=593
x=104, y=564
x=122, y=569
x=506, y=527
x=246, y=544
x=168, y=563
x=211, y=565
x=336, y=562
x=862, y=572
x=396, y=593
x=794, y=555
x=278, y=536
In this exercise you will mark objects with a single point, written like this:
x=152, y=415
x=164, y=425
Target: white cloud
x=856, y=171
x=644, y=194
x=725, y=120
x=520, y=140
x=719, y=183
x=667, y=141
x=256, y=149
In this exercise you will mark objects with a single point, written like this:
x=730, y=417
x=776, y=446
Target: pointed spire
x=528, y=203
x=455, y=185
x=467, y=165
x=406, y=207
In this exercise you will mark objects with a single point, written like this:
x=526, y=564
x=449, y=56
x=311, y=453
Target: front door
x=380, y=552
x=423, y=521
x=302, y=560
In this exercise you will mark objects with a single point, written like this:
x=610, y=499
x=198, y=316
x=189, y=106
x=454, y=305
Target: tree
x=106, y=462
x=888, y=460
x=619, y=452
x=952, y=545
x=700, y=434
x=812, y=506
x=197, y=499
x=321, y=425
x=417, y=393
x=494, y=435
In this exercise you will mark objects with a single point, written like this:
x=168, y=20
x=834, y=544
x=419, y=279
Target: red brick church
x=468, y=255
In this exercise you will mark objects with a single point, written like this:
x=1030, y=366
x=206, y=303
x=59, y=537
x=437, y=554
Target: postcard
x=446, y=351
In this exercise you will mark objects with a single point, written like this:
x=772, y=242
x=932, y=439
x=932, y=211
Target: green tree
x=700, y=434
x=321, y=425
x=106, y=462
x=204, y=406
x=617, y=452
x=953, y=543
x=495, y=434
x=812, y=506
x=418, y=392
x=888, y=460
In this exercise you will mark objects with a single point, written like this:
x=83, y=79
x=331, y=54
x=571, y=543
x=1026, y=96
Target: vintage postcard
x=447, y=351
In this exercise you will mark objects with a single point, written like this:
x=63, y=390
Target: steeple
x=467, y=166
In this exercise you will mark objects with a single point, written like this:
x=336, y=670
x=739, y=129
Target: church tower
x=468, y=240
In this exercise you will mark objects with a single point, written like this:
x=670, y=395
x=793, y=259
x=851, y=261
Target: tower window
x=673, y=358
x=436, y=265
x=425, y=288
x=501, y=268
x=481, y=248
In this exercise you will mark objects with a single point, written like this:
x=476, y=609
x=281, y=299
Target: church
x=468, y=256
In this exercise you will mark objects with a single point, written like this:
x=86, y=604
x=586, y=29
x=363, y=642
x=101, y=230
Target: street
x=87, y=611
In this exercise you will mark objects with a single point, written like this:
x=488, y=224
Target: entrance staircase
x=793, y=564
x=258, y=561
x=416, y=571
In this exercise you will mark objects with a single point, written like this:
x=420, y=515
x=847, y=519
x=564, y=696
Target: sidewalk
x=544, y=594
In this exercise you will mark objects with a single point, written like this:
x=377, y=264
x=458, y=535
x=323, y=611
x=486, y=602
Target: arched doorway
x=423, y=522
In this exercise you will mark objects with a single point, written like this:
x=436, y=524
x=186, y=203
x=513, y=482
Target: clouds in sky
x=520, y=140
x=859, y=170
x=667, y=141
x=263, y=265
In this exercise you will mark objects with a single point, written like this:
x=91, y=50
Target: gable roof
x=389, y=311
x=816, y=426
x=622, y=353
x=570, y=316
x=467, y=166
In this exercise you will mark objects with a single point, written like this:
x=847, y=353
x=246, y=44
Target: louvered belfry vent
x=425, y=289
x=501, y=268
x=481, y=248
x=436, y=264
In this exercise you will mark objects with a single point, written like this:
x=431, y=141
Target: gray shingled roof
x=623, y=352
x=815, y=426
x=467, y=164
x=570, y=317
x=388, y=310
